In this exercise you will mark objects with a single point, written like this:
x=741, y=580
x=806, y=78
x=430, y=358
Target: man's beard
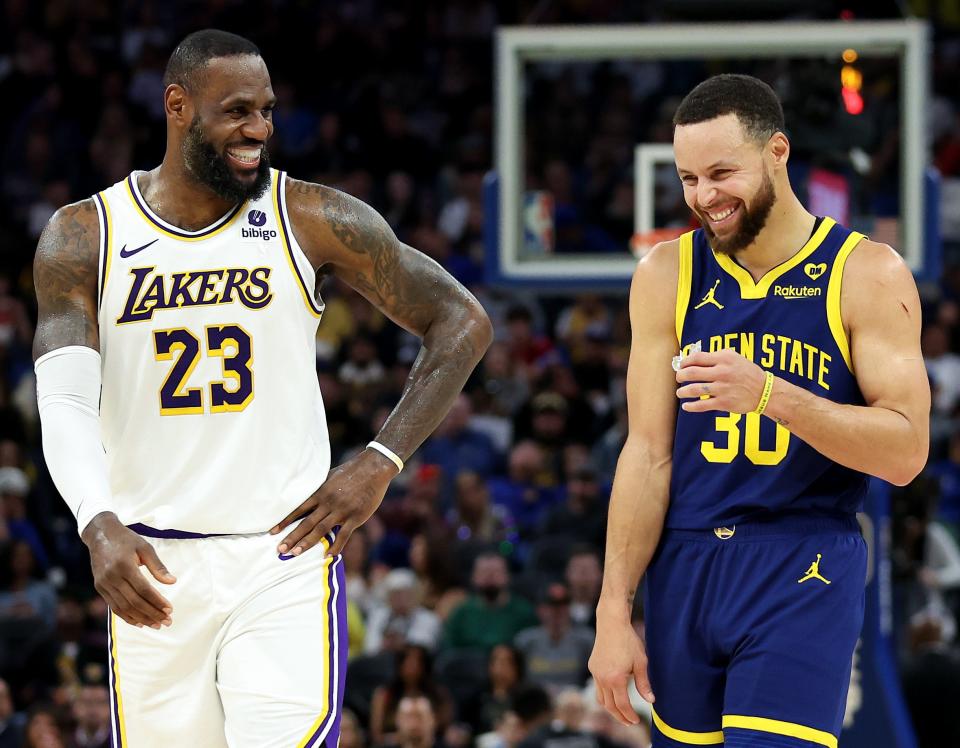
x=752, y=220
x=212, y=169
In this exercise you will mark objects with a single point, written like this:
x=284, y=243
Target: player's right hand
x=618, y=655
x=116, y=555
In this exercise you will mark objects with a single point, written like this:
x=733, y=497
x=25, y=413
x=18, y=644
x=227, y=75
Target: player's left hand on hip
x=348, y=498
x=724, y=381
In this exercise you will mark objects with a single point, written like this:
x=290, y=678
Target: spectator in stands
x=491, y=615
x=556, y=651
x=504, y=384
x=522, y=491
x=505, y=672
x=582, y=515
x=525, y=345
x=588, y=314
x=416, y=724
x=456, y=446
x=12, y=723
x=401, y=620
x=42, y=729
x=28, y=609
x=14, y=488
x=352, y=734
x=534, y=709
x=584, y=575
x=91, y=712
x=433, y=562
x=567, y=728
x=413, y=677
x=473, y=516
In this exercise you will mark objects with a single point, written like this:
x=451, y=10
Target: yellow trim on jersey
x=684, y=281
x=327, y=656
x=834, y=317
x=776, y=726
x=138, y=209
x=683, y=736
x=116, y=680
x=106, y=248
x=750, y=289
x=288, y=248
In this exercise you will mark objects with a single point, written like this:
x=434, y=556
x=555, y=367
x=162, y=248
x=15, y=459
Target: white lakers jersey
x=211, y=410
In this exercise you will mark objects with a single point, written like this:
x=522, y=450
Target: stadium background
x=393, y=102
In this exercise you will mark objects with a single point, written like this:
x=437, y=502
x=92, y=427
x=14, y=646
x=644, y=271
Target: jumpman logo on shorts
x=814, y=572
x=709, y=298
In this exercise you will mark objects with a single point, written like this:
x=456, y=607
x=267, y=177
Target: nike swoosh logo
x=130, y=253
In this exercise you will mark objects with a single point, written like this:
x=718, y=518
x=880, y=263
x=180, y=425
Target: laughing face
x=225, y=147
x=726, y=179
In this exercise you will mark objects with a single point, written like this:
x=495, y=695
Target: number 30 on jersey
x=231, y=343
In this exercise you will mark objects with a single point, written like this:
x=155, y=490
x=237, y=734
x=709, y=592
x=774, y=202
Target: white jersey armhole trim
x=300, y=265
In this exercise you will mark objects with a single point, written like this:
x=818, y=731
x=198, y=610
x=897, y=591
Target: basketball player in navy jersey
x=183, y=422
x=797, y=367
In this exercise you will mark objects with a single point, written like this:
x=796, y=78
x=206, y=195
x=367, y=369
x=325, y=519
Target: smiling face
x=727, y=178
x=225, y=145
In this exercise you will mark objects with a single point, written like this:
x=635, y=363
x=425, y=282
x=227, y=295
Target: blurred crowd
x=472, y=591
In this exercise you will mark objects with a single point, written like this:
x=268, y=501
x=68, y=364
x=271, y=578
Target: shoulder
x=314, y=202
x=660, y=263
x=871, y=261
x=875, y=273
x=74, y=227
x=68, y=251
x=333, y=226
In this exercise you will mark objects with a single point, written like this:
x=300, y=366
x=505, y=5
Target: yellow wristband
x=765, y=397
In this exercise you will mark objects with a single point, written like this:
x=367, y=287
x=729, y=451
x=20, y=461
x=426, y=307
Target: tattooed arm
x=65, y=278
x=347, y=238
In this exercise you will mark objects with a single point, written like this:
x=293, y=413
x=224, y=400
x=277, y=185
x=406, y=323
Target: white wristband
x=388, y=453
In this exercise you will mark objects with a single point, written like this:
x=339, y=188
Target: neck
x=178, y=197
x=788, y=228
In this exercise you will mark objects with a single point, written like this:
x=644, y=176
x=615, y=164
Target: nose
x=706, y=192
x=257, y=127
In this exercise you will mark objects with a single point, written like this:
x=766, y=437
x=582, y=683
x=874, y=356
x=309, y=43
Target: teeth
x=721, y=216
x=250, y=156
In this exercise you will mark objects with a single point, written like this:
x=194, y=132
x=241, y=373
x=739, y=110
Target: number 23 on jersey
x=231, y=343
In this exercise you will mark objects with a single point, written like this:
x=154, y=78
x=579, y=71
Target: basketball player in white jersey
x=183, y=423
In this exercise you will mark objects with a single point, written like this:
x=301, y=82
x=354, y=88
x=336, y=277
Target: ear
x=178, y=105
x=779, y=149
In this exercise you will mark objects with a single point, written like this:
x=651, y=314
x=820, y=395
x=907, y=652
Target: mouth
x=721, y=217
x=245, y=158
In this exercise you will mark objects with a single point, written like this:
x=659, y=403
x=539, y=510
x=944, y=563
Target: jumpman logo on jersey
x=814, y=572
x=709, y=299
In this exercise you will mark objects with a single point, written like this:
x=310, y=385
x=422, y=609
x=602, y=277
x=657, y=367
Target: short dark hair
x=197, y=49
x=753, y=101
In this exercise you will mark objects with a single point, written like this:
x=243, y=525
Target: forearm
x=452, y=347
x=872, y=439
x=68, y=394
x=638, y=506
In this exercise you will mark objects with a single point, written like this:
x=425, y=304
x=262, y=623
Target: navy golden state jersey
x=732, y=467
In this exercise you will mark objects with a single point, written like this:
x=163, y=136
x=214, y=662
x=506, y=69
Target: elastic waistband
x=780, y=526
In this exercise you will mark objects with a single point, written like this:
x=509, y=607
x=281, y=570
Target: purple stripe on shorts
x=115, y=740
x=336, y=607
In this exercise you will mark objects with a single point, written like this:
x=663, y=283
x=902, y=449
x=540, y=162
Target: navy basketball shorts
x=750, y=632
